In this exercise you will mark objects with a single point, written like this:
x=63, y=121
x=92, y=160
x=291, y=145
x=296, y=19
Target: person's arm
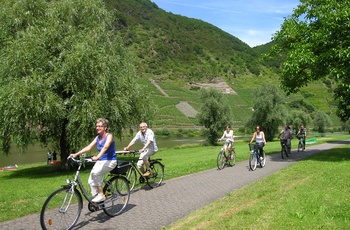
x=263, y=136
x=109, y=140
x=129, y=145
x=253, y=138
x=232, y=136
x=279, y=135
x=132, y=142
x=85, y=149
x=223, y=135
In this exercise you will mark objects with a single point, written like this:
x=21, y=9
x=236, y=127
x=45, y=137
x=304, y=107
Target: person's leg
x=289, y=146
x=96, y=178
x=146, y=162
x=229, y=148
x=141, y=161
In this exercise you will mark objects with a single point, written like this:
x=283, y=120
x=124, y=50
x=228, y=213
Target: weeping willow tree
x=61, y=67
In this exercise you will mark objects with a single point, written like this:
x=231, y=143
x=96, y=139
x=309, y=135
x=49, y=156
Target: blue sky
x=252, y=21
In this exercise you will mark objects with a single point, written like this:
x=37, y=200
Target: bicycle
x=284, y=151
x=301, y=145
x=222, y=159
x=153, y=180
x=254, y=158
x=62, y=208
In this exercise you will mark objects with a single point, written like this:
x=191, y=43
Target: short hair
x=143, y=124
x=105, y=122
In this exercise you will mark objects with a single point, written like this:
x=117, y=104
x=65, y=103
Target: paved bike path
x=151, y=209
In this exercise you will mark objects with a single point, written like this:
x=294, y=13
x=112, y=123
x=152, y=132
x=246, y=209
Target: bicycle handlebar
x=86, y=159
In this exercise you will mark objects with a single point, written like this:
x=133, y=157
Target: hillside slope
x=175, y=54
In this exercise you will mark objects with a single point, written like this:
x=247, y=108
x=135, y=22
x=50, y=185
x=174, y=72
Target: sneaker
x=261, y=158
x=147, y=173
x=99, y=198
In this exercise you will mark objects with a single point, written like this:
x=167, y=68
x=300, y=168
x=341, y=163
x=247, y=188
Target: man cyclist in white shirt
x=147, y=138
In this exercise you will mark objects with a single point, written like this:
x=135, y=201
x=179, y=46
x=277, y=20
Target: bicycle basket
x=251, y=146
x=121, y=168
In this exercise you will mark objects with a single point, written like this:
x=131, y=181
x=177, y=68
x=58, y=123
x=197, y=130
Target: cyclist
x=228, y=136
x=260, y=142
x=302, y=134
x=147, y=138
x=106, y=159
x=287, y=136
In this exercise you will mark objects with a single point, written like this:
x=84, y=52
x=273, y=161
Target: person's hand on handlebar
x=72, y=155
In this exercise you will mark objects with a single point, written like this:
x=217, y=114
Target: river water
x=37, y=153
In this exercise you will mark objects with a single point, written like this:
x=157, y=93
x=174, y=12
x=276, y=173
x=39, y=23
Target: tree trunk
x=64, y=146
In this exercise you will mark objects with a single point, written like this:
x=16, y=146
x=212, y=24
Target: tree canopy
x=315, y=41
x=62, y=67
x=215, y=113
x=269, y=110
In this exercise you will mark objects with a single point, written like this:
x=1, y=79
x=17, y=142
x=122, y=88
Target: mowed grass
x=24, y=191
x=312, y=194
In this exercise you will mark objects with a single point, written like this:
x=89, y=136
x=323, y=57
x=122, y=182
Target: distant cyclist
x=302, y=134
x=228, y=136
x=286, y=136
x=260, y=142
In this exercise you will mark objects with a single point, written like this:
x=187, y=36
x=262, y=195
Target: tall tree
x=315, y=42
x=215, y=113
x=321, y=121
x=62, y=66
x=269, y=110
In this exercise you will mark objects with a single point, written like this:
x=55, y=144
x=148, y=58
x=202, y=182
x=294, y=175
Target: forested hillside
x=181, y=47
x=178, y=52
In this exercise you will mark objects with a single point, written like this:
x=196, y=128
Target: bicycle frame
x=77, y=181
x=284, y=148
x=154, y=163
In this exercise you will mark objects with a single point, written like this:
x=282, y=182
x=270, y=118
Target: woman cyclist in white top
x=260, y=142
x=228, y=136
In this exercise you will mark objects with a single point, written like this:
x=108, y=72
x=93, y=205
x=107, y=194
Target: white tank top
x=259, y=138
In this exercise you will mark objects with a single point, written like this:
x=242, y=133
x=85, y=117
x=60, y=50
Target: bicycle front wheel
x=253, y=161
x=263, y=161
x=61, y=209
x=132, y=177
x=157, y=176
x=221, y=160
x=232, y=158
x=117, y=194
x=284, y=152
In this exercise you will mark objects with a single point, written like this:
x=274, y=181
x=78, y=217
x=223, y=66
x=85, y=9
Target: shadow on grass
x=44, y=171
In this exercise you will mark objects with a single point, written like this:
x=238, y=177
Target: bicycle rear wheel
x=61, y=209
x=232, y=158
x=157, y=176
x=253, y=161
x=263, y=161
x=117, y=194
x=132, y=177
x=221, y=160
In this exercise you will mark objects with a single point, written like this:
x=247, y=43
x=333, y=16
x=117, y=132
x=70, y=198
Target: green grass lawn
x=24, y=191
